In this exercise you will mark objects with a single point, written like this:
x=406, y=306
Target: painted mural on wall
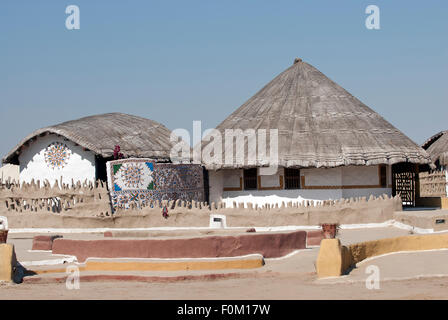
x=133, y=175
x=135, y=181
x=57, y=155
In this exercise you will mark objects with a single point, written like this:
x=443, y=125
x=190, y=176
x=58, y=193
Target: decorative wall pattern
x=142, y=181
x=57, y=155
x=133, y=175
x=55, y=158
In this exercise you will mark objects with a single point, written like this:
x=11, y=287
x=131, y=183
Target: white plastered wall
x=446, y=174
x=231, y=178
x=322, y=176
x=314, y=177
x=359, y=175
x=80, y=166
x=10, y=172
x=272, y=181
x=216, y=183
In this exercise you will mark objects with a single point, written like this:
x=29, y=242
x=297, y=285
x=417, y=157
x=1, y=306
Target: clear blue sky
x=179, y=61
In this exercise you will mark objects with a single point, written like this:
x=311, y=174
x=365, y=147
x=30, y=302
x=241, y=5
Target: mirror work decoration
x=143, y=181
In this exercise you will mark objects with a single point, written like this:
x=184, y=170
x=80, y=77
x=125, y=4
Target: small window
x=383, y=176
x=292, y=178
x=250, y=179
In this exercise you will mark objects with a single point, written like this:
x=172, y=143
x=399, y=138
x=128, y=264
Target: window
x=250, y=179
x=292, y=178
x=383, y=176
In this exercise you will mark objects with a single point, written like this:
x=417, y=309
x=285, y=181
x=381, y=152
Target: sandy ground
x=410, y=275
x=273, y=288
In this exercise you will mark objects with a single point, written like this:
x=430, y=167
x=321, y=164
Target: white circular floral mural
x=129, y=176
x=57, y=155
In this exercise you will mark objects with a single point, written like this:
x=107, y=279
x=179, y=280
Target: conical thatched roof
x=437, y=147
x=320, y=124
x=136, y=136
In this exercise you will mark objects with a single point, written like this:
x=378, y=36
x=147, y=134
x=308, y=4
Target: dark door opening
x=404, y=181
x=206, y=186
x=292, y=178
x=101, y=172
x=250, y=179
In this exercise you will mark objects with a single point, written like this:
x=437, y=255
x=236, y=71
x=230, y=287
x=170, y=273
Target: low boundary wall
x=335, y=260
x=313, y=238
x=436, y=220
x=246, y=262
x=87, y=199
x=268, y=245
x=44, y=242
x=92, y=213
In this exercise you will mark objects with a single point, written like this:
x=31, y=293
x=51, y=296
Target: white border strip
x=384, y=224
x=389, y=223
x=342, y=281
x=345, y=276
x=253, y=255
x=72, y=259
x=289, y=255
x=52, y=262
x=397, y=252
x=98, y=230
x=102, y=230
x=415, y=229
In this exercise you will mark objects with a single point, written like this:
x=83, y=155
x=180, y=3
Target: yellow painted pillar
x=7, y=260
x=333, y=259
x=329, y=260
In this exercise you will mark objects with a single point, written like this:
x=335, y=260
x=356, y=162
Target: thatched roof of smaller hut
x=137, y=137
x=437, y=148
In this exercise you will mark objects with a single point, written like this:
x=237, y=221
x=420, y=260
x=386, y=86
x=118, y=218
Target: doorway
x=404, y=181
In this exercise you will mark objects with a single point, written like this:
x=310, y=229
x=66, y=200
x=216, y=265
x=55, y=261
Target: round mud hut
x=78, y=150
x=437, y=148
x=330, y=146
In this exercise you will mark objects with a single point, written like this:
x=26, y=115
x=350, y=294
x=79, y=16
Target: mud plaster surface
x=355, y=212
x=267, y=244
x=291, y=278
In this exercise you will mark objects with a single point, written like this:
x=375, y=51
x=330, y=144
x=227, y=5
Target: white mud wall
x=342, y=182
x=10, y=172
x=79, y=167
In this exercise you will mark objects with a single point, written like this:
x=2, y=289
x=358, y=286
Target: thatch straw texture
x=320, y=124
x=437, y=147
x=136, y=136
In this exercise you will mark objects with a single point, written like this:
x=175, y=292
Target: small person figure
x=117, y=153
x=165, y=212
